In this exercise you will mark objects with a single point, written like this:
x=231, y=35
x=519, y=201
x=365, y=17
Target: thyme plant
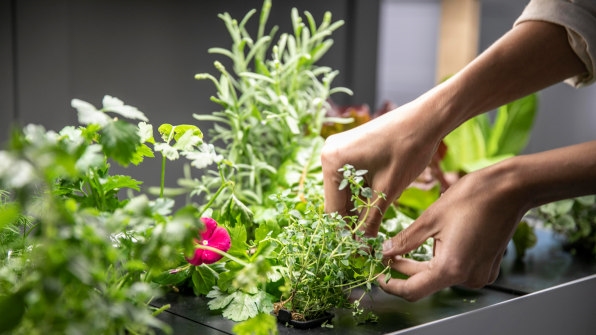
x=326, y=256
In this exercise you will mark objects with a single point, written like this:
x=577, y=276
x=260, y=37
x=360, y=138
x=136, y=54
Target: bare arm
x=474, y=220
x=530, y=57
x=396, y=147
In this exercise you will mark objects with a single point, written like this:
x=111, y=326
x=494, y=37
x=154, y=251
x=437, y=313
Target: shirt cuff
x=579, y=19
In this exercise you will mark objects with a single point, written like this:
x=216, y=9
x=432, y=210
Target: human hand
x=394, y=148
x=471, y=224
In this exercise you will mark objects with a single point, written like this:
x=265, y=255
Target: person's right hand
x=394, y=148
x=471, y=225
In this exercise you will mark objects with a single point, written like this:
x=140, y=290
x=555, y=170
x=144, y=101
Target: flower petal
x=210, y=226
x=220, y=239
x=210, y=257
x=198, y=257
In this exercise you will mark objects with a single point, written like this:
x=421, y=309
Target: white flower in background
x=88, y=114
x=92, y=156
x=72, y=134
x=112, y=104
x=36, y=134
x=187, y=141
x=15, y=172
x=204, y=157
x=145, y=131
x=167, y=150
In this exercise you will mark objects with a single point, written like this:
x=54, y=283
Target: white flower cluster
x=88, y=114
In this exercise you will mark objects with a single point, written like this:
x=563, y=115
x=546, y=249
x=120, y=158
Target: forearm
x=530, y=57
x=536, y=179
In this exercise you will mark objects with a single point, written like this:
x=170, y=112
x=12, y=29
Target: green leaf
x=167, y=278
x=238, y=236
x=203, y=279
x=226, y=279
x=120, y=140
x=220, y=300
x=142, y=151
x=418, y=199
x=12, y=309
x=523, y=239
x=465, y=144
x=9, y=213
x=118, y=182
x=512, y=126
x=262, y=324
x=482, y=163
x=242, y=307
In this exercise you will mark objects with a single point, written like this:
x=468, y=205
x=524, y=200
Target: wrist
x=536, y=179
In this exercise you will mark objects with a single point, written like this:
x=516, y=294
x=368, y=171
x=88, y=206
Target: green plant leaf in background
x=477, y=143
x=262, y=324
x=513, y=124
x=120, y=140
x=465, y=144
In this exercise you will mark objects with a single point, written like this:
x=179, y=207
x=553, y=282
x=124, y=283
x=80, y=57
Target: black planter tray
x=285, y=318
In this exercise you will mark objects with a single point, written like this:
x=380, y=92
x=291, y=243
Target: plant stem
x=161, y=309
x=215, y=196
x=163, y=176
x=222, y=253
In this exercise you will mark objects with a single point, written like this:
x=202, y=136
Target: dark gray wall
x=146, y=52
x=7, y=108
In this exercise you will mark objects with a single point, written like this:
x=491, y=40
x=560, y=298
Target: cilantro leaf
x=239, y=306
x=120, y=140
x=117, y=182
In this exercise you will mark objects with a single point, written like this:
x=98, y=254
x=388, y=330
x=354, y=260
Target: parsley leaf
x=120, y=140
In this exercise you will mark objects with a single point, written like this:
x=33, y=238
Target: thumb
x=406, y=240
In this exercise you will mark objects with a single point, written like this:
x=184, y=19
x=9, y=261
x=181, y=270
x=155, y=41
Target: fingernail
x=387, y=245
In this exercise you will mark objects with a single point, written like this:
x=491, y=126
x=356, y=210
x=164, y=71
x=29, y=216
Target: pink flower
x=213, y=236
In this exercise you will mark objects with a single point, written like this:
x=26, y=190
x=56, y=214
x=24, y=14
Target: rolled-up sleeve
x=579, y=18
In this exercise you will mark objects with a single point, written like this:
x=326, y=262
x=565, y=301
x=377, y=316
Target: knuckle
x=456, y=272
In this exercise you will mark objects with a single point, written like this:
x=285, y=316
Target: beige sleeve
x=579, y=18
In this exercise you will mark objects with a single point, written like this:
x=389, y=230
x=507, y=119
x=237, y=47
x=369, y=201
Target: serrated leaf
x=242, y=307
x=220, y=300
x=120, y=140
x=142, y=151
x=115, y=105
x=238, y=236
x=118, y=182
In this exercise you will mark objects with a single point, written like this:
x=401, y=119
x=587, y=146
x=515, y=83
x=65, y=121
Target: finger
x=336, y=200
x=415, y=287
x=408, y=239
x=409, y=267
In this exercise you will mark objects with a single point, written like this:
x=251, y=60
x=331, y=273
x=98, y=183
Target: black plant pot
x=284, y=316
